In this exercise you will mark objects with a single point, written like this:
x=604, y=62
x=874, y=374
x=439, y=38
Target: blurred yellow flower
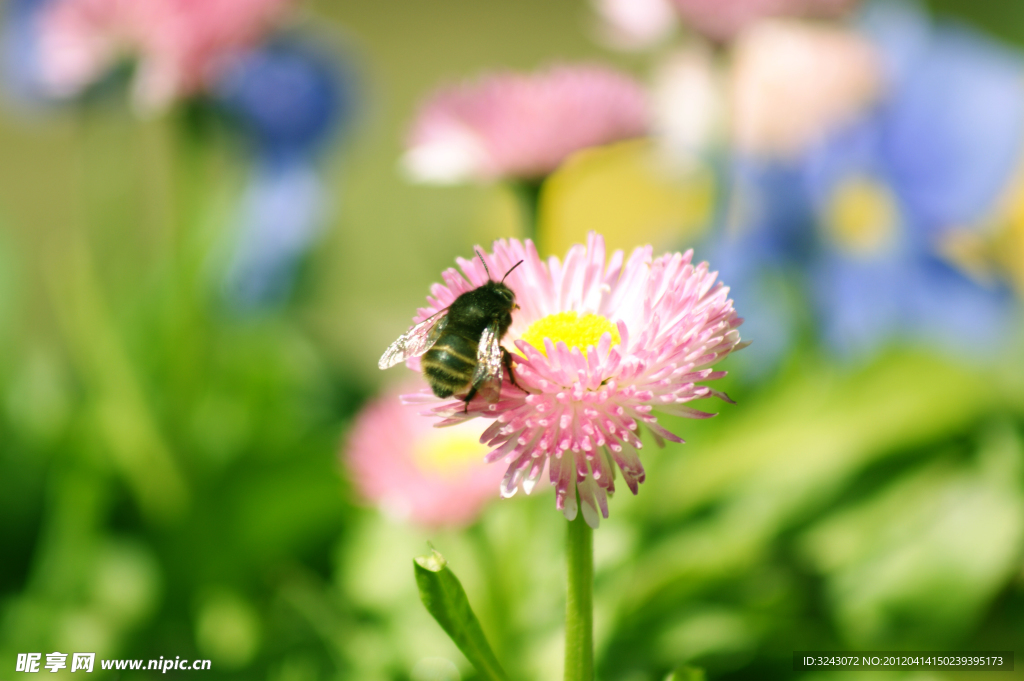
x=994, y=249
x=1008, y=246
x=624, y=192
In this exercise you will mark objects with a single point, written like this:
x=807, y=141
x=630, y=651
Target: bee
x=461, y=344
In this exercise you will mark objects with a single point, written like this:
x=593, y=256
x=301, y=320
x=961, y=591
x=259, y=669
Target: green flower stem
x=528, y=192
x=579, y=606
x=123, y=417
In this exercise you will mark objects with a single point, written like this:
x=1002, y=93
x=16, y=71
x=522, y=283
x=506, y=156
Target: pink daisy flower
x=722, y=19
x=413, y=472
x=600, y=346
x=513, y=126
x=178, y=45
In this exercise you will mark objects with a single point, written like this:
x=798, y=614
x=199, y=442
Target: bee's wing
x=488, y=361
x=415, y=341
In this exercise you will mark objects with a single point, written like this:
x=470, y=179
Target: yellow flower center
x=972, y=253
x=574, y=329
x=862, y=215
x=448, y=452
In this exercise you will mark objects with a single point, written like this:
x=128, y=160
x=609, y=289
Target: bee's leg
x=506, y=360
x=469, y=397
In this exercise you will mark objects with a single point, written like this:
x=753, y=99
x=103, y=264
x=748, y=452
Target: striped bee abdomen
x=451, y=340
x=450, y=363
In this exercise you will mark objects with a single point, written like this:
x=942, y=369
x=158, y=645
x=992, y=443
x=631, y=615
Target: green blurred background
x=170, y=480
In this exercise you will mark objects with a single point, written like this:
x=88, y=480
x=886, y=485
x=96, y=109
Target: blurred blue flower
x=770, y=212
x=858, y=222
x=863, y=304
x=766, y=245
x=952, y=133
x=765, y=297
x=292, y=97
x=936, y=155
x=902, y=32
x=281, y=215
x=949, y=135
x=20, y=36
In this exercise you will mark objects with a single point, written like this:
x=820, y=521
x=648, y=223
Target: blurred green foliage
x=169, y=482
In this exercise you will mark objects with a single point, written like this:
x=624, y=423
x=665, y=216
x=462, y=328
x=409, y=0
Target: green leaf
x=686, y=673
x=786, y=454
x=445, y=599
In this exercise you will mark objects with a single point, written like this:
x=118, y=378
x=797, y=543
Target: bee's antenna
x=481, y=256
x=510, y=270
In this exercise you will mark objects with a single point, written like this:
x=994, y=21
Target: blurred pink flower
x=723, y=19
x=635, y=24
x=178, y=45
x=80, y=39
x=602, y=344
x=434, y=477
x=793, y=81
x=513, y=126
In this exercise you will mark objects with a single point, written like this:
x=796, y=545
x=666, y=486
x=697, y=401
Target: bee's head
x=488, y=271
x=507, y=294
x=499, y=286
